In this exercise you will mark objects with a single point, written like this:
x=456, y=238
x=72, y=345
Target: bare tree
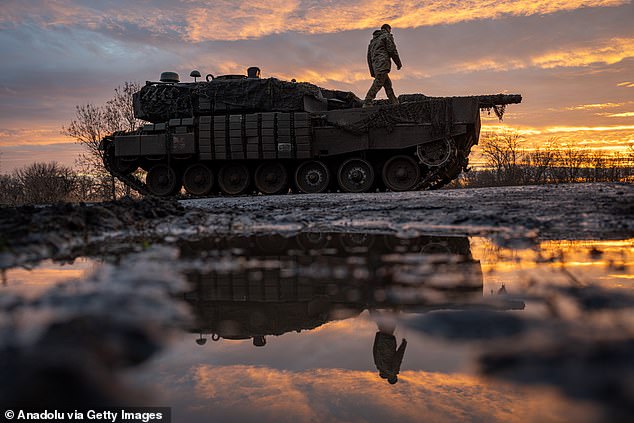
x=572, y=159
x=536, y=164
x=502, y=153
x=45, y=183
x=92, y=123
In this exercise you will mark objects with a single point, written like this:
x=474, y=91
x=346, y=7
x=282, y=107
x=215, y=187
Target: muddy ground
x=512, y=216
x=574, y=211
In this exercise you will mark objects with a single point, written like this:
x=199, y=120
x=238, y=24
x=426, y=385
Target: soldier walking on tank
x=381, y=52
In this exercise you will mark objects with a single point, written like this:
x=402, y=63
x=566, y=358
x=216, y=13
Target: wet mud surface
x=574, y=211
x=377, y=307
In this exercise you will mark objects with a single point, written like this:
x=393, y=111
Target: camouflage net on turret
x=160, y=102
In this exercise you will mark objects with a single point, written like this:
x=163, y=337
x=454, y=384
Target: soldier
x=381, y=52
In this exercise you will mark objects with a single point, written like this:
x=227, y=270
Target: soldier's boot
x=390, y=94
x=373, y=91
x=369, y=99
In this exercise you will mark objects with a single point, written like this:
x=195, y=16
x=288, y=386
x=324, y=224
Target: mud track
x=572, y=211
x=512, y=216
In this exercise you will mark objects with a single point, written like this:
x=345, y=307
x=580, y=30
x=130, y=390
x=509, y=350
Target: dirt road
x=572, y=211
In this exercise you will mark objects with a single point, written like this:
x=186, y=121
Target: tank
x=242, y=134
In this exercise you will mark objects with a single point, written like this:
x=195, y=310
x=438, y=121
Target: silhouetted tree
x=502, y=153
x=92, y=123
x=41, y=183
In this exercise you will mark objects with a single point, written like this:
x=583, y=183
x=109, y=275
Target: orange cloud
x=620, y=115
x=614, y=138
x=605, y=52
x=559, y=129
x=203, y=20
x=595, y=106
x=32, y=136
x=230, y=21
x=625, y=84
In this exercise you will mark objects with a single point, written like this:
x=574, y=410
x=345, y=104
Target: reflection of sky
x=609, y=264
x=572, y=60
x=32, y=282
x=328, y=374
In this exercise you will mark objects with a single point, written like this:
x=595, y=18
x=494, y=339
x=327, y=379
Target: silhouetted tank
x=239, y=134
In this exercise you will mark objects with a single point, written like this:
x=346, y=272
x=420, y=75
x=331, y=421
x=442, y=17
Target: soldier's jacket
x=381, y=49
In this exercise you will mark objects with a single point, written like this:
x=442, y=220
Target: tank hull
x=420, y=144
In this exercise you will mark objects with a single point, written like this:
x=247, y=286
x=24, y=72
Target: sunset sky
x=573, y=61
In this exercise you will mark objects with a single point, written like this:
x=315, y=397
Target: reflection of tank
x=304, y=287
x=241, y=134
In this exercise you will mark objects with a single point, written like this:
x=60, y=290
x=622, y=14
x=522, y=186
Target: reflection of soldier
x=381, y=52
x=387, y=357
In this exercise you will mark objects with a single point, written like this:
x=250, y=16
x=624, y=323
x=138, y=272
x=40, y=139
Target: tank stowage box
x=237, y=135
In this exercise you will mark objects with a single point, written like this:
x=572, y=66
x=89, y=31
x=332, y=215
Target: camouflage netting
x=488, y=102
x=160, y=102
x=437, y=111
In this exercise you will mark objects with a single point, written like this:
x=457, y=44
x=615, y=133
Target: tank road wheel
x=233, y=179
x=161, y=180
x=436, y=153
x=198, y=179
x=355, y=175
x=271, y=178
x=401, y=173
x=312, y=177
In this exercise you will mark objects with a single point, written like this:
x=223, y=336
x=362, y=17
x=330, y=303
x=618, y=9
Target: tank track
x=436, y=179
x=128, y=179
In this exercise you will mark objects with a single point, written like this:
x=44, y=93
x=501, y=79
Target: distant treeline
x=506, y=162
x=46, y=183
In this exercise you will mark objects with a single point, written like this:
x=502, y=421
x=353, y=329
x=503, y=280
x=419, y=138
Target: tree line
x=508, y=162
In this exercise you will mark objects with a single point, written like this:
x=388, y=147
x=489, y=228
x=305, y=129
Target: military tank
x=243, y=134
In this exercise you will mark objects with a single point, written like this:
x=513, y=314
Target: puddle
x=371, y=327
x=34, y=280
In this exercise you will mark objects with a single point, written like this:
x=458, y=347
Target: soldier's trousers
x=381, y=80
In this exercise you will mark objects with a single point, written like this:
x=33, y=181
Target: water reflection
x=255, y=288
x=320, y=325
